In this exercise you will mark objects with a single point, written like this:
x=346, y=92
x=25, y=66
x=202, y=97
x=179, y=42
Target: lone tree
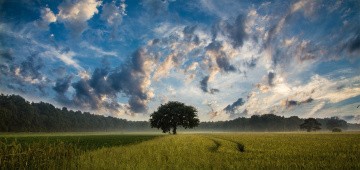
x=173, y=114
x=310, y=124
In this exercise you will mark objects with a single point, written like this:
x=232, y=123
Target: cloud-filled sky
x=227, y=58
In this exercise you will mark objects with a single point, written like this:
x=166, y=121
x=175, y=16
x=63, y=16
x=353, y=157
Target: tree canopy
x=173, y=114
x=310, y=124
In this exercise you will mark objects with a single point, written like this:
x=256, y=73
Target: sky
x=228, y=59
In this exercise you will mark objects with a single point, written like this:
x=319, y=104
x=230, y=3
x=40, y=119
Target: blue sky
x=227, y=58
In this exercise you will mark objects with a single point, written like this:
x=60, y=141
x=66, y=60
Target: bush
x=336, y=130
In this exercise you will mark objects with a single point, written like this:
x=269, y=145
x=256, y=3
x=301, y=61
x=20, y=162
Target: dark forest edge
x=19, y=115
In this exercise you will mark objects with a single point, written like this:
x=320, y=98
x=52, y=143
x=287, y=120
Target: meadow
x=317, y=150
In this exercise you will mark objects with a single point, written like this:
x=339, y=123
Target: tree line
x=19, y=115
x=274, y=123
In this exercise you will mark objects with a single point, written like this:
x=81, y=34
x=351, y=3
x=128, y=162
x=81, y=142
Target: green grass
x=183, y=151
x=52, y=151
x=221, y=151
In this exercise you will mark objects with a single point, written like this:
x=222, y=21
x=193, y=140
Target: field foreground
x=218, y=151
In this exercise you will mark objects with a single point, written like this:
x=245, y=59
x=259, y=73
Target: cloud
x=204, y=84
x=101, y=89
x=98, y=50
x=309, y=99
x=67, y=58
x=156, y=7
x=216, y=52
x=164, y=68
x=231, y=108
x=7, y=55
x=62, y=85
x=24, y=76
x=134, y=80
x=99, y=82
x=234, y=32
x=271, y=77
x=224, y=64
x=189, y=35
x=30, y=68
x=47, y=15
x=354, y=44
x=213, y=91
x=290, y=41
x=74, y=14
x=84, y=96
x=351, y=118
x=113, y=14
x=289, y=103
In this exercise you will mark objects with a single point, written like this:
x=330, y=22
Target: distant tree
x=310, y=124
x=336, y=130
x=173, y=114
x=335, y=122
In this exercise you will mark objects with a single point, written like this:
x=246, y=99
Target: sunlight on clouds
x=48, y=16
x=125, y=58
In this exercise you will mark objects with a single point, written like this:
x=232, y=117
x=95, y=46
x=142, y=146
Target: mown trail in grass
x=221, y=151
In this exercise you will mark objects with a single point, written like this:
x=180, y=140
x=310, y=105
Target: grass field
x=185, y=151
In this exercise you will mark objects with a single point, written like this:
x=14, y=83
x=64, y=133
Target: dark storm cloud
x=232, y=107
x=235, y=32
x=204, y=84
x=62, y=85
x=271, y=77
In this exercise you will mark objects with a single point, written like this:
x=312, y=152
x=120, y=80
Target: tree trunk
x=174, y=130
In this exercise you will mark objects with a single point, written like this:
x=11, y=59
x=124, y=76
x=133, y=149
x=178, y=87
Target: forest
x=19, y=115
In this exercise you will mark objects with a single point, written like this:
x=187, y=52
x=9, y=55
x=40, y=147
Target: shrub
x=336, y=130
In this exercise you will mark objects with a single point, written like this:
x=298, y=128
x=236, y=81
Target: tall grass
x=221, y=151
x=38, y=155
x=56, y=152
x=184, y=151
